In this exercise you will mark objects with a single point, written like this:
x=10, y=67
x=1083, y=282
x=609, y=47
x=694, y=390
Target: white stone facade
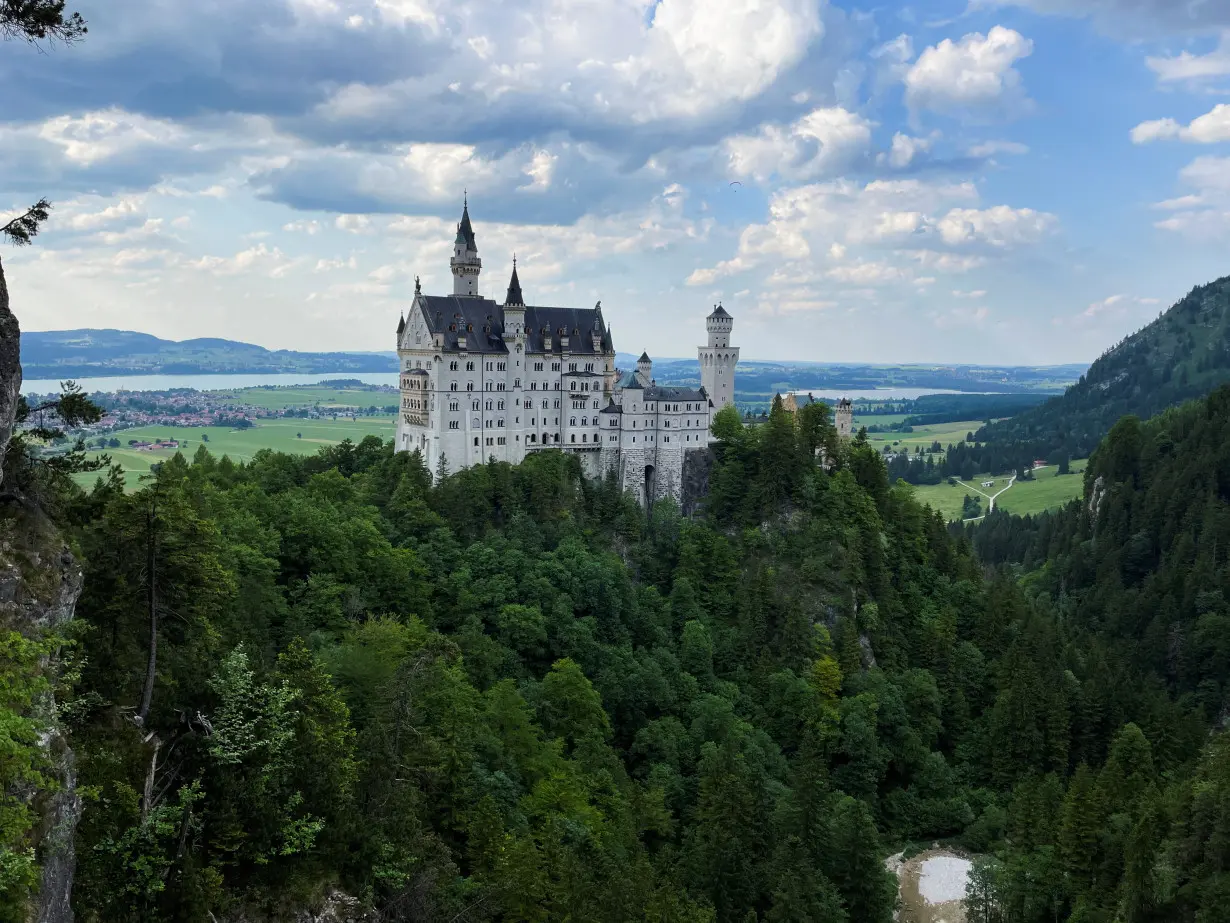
x=481, y=380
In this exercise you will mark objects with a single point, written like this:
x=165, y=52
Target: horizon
x=984, y=182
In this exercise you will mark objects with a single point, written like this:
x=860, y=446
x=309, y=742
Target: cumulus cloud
x=991, y=148
x=1210, y=128
x=1193, y=68
x=973, y=76
x=1203, y=214
x=823, y=142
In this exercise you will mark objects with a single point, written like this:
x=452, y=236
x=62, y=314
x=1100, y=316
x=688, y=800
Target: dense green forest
x=1182, y=355
x=508, y=693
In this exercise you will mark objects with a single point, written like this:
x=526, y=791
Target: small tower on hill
x=843, y=416
x=465, y=262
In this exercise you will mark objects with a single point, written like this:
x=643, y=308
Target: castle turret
x=514, y=307
x=644, y=370
x=465, y=262
x=718, y=359
x=843, y=417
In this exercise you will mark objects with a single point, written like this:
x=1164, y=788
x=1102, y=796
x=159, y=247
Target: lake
x=202, y=382
x=230, y=382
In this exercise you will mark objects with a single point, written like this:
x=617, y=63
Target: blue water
x=201, y=382
x=880, y=394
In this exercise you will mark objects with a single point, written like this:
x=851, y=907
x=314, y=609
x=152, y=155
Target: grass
x=1047, y=491
x=327, y=398
x=944, y=433
x=301, y=437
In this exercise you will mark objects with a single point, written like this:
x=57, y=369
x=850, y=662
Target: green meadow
x=303, y=437
x=326, y=398
x=1046, y=491
x=944, y=433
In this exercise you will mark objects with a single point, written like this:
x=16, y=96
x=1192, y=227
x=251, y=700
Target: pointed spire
x=401, y=325
x=514, y=296
x=465, y=231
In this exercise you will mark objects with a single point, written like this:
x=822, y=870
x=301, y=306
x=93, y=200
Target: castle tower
x=718, y=359
x=644, y=370
x=843, y=416
x=465, y=262
x=514, y=307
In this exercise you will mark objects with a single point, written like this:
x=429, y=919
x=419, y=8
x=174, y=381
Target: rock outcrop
x=40, y=583
x=10, y=369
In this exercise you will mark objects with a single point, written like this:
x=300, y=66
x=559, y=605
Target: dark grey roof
x=719, y=311
x=611, y=407
x=465, y=231
x=514, y=289
x=417, y=372
x=644, y=358
x=482, y=322
x=675, y=394
x=401, y=325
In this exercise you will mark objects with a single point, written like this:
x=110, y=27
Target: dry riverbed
x=931, y=886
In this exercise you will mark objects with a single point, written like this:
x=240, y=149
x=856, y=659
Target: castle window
x=499, y=366
x=500, y=386
x=544, y=405
x=585, y=421
x=453, y=405
x=474, y=405
x=589, y=366
x=529, y=405
x=572, y=366
x=572, y=386
x=469, y=366
x=453, y=424
x=555, y=403
x=537, y=366
x=516, y=382
x=555, y=437
x=469, y=386
x=595, y=405
x=488, y=405
x=488, y=366
x=452, y=386
x=476, y=440
x=554, y=366
x=574, y=437
x=501, y=406
x=572, y=421
x=533, y=386
x=490, y=441
x=500, y=422
x=634, y=424
x=583, y=437
x=452, y=366
x=501, y=440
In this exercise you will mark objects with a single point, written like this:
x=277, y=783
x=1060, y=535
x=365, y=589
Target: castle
x=481, y=380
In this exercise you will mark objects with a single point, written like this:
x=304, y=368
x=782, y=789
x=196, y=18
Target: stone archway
x=649, y=485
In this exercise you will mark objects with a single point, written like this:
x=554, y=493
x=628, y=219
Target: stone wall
x=697, y=464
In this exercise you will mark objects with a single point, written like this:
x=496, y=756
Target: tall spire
x=465, y=231
x=465, y=263
x=514, y=288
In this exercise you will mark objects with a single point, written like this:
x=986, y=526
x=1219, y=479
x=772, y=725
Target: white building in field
x=482, y=380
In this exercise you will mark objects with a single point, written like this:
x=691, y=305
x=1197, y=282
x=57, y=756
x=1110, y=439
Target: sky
x=943, y=181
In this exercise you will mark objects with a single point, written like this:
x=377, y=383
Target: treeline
x=1182, y=355
x=963, y=460
x=510, y=694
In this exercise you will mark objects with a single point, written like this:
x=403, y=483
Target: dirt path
x=932, y=886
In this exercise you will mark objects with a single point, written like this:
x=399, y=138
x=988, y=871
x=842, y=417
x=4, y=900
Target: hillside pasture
x=326, y=398
x=1047, y=490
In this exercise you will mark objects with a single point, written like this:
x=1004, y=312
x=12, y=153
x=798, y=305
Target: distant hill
x=1184, y=354
x=98, y=353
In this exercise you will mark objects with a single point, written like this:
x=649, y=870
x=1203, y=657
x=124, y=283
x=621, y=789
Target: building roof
x=719, y=311
x=514, y=296
x=611, y=407
x=481, y=321
x=401, y=325
x=644, y=357
x=656, y=393
x=465, y=231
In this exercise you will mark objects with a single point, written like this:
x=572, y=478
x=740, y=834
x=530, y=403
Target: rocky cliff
x=40, y=583
x=10, y=368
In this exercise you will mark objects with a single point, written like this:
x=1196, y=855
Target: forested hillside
x=1141, y=572
x=1182, y=355
x=512, y=695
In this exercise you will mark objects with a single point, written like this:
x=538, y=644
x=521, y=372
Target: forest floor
x=931, y=886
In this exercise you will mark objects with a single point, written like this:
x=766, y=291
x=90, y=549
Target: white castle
x=481, y=380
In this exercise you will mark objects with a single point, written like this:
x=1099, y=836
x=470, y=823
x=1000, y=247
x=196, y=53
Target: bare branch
x=40, y=20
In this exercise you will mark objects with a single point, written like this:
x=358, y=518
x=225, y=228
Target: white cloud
x=125, y=209
x=311, y=226
x=991, y=148
x=1204, y=214
x=1193, y=68
x=823, y=142
x=1210, y=128
x=975, y=75
x=905, y=148
x=353, y=224
x=261, y=259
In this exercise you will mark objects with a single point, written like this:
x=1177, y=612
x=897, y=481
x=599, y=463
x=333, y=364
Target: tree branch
x=25, y=227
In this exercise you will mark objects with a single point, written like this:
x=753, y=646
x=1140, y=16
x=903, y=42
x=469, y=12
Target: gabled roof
x=611, y=407
x=675, y=394
x=481, y=321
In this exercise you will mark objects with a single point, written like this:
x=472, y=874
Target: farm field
x=301, y=437
x=327, y=398
x=1046, y=491
x=944, y=433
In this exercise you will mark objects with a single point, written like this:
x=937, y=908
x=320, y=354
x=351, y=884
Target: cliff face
x=10, y=368
x=40, y=583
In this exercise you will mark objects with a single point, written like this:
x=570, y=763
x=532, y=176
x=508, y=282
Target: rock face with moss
x=10, y=368
x=40, y=583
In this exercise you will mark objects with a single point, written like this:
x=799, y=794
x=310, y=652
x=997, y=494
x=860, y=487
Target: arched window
x=476, y=440
x=572, y=421
x=574, y=437
x=583, y=439
x=469, y=366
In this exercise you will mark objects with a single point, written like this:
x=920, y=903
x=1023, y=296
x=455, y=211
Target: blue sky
x=1007, y=181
